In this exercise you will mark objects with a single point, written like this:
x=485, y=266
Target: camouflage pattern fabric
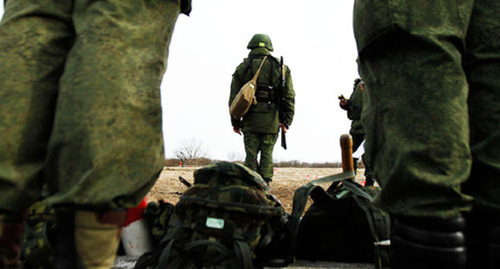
x=354, y=109
x=432, y=105
x=263, y=143
x=156, y=216
x=80, y=100
x=263, y=117
x=36, y=248
x=354, y=114
x=261, y=124
x=228, y=174
x=224, y=218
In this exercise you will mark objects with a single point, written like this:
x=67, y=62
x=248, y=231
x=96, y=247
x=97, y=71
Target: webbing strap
x=377, y=228
x=333, y=178
x=165, y=255
x=217, y=246
x=355, y=190
x=246, y=255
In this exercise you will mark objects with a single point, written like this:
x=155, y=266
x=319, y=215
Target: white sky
x=314, y=37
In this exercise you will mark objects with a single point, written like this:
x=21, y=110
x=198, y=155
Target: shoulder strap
x=258, y=70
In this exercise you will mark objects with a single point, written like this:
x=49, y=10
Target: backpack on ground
x=36, y=249
x=342, y=224
x=156, y=216
x=225, y=220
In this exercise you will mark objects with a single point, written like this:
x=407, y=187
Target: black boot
x=369, y=181
x=427, y=243
x=483, y=239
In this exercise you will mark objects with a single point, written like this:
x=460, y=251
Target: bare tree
x=190, y=151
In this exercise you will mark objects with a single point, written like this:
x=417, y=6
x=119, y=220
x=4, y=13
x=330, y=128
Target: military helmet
x=259, y=41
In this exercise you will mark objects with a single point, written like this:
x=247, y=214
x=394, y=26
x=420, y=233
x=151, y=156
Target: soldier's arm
x=235, y=88
x=289, y=98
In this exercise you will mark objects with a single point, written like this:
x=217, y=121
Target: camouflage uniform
x=261, y=124
x=354, y=107
x=76, y=87
x=80, y=102
x=432, y=110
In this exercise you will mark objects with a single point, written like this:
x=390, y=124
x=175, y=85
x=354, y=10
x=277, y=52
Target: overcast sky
x=314, y=37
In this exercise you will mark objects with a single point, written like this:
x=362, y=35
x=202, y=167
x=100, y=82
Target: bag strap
x=258, y=70
x=377, y=223
x=243, y=253
x=353, y=188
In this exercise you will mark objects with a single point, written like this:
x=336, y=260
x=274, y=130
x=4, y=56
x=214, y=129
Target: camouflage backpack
x=225, y=220
x=36, y=250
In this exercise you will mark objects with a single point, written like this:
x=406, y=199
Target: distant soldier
x=274, y=108
x=80, y=111
x=354, y=106
x=432, y=120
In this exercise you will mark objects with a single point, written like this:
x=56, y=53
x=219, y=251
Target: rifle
x=184, y=181
x=281, y=104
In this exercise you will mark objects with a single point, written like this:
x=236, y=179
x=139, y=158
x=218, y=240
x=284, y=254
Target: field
x=285, y=182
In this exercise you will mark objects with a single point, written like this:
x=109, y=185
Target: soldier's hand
x=344, y=103
x=283, y=127
x=237, y=130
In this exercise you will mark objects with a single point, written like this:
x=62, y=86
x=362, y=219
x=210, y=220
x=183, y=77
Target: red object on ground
x=135, y=213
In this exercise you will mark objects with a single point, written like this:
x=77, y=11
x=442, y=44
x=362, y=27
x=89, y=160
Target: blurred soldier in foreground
x=354, y=106
x=80, y=106
x=432, y=123
x=274, y=109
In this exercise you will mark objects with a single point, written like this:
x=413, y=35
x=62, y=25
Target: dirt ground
x=285, y=182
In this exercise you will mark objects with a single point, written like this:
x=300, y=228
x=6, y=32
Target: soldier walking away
x=354, y=106
x=432, y=123
x=80, y=106
x=274, y=108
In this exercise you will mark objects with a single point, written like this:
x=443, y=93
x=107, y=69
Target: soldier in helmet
x=262, y=122
x=354, y=106
x=432, y=120
x=80, y=112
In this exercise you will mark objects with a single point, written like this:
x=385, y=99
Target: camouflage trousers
x=432, y=103
x=80, y=100
x=263, y=144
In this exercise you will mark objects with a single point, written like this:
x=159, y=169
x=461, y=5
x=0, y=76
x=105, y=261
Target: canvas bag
x=246, y=96
x=225, y=220
x=343, y=225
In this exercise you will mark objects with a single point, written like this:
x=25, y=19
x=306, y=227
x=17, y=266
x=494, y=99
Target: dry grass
x=285, y=182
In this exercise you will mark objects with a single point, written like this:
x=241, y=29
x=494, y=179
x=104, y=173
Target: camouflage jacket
x=354, y=109
x=264, y=116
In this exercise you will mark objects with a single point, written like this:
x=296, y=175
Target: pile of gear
x=228, y=219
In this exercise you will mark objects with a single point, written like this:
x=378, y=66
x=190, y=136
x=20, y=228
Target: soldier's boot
x=87, y=239
x=427, y=243
x=483, y=239
x=11, y=231
x=355, y=163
